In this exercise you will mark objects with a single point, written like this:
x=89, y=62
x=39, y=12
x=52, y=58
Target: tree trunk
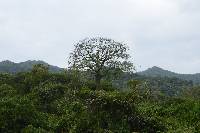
x=98, y=81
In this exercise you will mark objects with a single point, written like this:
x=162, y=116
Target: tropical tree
x=100, y=56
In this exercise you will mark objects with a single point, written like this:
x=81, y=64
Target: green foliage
x=7, y=91
x=133, y=86
x=193, y=92
x=6, y=78
x=100, y=57
x=16, y=113
x=116, y=111
x=32, y=129
x=163, y=85
x=104, y=85
x=49, y=92
x=179, y=115
x=40, y=101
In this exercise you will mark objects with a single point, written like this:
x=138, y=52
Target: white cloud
x=160, y=32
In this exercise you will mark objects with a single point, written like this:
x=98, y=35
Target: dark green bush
x=16, y=113
x=104, y=85
x=7, y=91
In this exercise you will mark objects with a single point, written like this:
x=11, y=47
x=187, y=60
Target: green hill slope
x=159, y=72
x=11, y=67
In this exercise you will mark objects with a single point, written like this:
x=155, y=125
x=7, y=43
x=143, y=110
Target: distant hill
x=159, y=72
x=11, y=67
x=167, y=82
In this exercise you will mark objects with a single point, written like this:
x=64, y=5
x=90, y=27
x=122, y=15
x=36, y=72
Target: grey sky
x=164, y=33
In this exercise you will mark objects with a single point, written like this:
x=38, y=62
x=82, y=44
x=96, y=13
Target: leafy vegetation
x=70, y=101
x=163, y=85
x=39, y=101
x=100, y=57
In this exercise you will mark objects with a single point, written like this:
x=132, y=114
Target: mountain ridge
x=8, y=66
x=159, y=72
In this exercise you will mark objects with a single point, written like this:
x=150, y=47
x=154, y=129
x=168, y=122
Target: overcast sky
x=164, y=33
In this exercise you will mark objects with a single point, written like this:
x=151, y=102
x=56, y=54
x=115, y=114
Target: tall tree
x=100, y=56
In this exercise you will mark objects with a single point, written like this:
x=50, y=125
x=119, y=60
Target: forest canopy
x=68, y=101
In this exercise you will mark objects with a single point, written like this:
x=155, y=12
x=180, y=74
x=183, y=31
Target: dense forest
x=97, y=97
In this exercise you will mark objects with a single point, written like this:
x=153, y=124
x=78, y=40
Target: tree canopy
x=100, y=56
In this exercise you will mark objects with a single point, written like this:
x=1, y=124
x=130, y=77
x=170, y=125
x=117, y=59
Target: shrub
x=7, y=91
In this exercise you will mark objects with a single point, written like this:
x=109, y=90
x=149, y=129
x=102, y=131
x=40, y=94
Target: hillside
x=11, y=67
x=159, y=72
